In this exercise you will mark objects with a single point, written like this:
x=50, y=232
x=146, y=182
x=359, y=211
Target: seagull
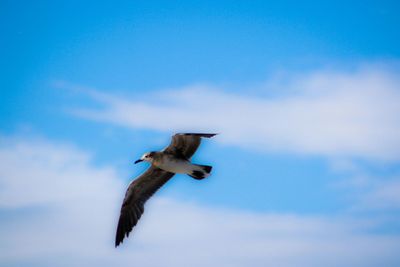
x=164, y=164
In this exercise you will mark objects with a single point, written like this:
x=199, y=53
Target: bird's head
x=149, y=157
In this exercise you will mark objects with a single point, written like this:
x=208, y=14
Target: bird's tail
x=200, y=171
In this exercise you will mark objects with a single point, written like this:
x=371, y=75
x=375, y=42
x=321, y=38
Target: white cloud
x=59, y=210
x=37, y=172
x=334, y=114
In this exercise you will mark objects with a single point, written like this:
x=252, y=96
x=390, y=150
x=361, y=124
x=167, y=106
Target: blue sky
x=304, y=96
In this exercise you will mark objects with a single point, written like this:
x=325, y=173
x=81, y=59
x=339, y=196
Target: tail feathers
x=206, y=168
x=202, y=172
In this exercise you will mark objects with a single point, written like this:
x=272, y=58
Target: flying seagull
x=164, y=164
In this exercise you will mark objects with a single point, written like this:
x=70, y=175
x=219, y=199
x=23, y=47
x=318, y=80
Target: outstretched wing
x=183, y=145
x=138, y=192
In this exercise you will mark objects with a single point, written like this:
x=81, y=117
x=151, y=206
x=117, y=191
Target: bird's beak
x=139, y=160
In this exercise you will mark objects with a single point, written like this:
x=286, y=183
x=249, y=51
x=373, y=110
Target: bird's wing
x=138, y=192
x=183, y=145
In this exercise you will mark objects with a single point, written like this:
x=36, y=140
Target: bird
x=175, y=158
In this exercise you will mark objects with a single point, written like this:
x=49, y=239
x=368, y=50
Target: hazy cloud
x=61, y=211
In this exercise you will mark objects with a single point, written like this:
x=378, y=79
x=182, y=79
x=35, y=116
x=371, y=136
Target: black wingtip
x=118, y=238
x=122, y=228
x=119, y=242
x=206, y=135
x=130, y=215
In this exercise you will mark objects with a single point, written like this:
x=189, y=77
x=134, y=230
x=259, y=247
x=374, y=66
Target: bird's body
x=170, y=163
x=164, y=164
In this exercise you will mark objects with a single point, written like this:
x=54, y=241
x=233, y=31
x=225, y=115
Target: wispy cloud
x=328, y=113
x=379, y=194
x=372, y=189
x=387, y=195
x=75, y=206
